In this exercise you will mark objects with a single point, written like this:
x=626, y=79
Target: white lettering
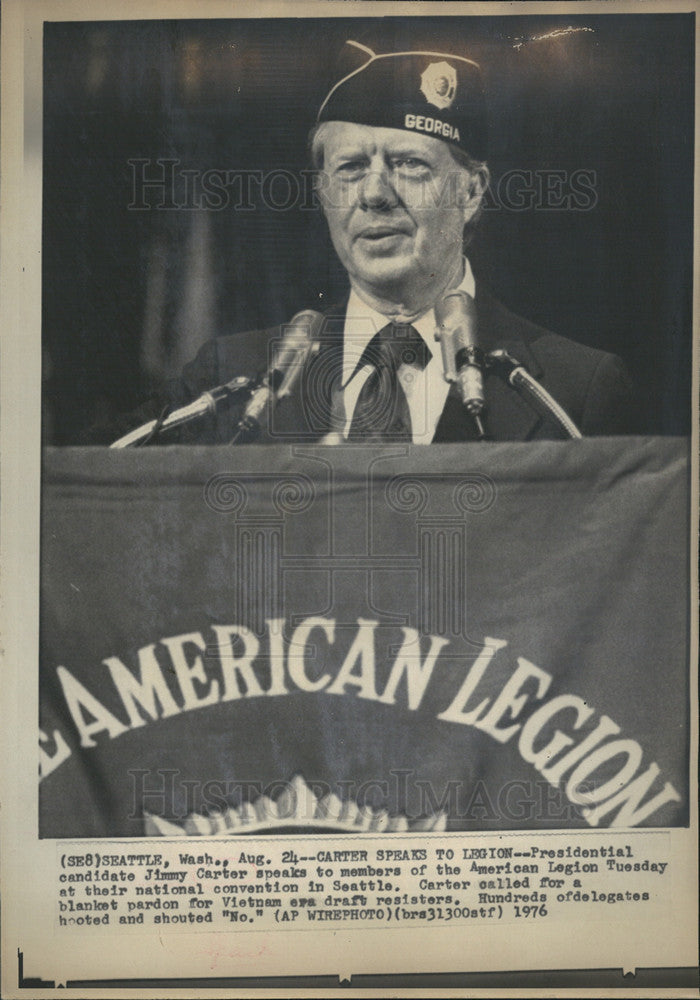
x=538, y=720
x=630, y=748
x=408, y=662
x=297, y=652
x=510, y=701
x=49, y=762
x=421, y=123
x=79, y=699
x=232, y=665
x=149, y=686
x=276, y=632
x=605, y=727
x=455, y=712
x=362, y=652
x=631, y=796
x=187, y=673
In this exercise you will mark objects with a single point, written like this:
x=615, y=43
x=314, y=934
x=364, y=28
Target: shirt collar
x=362, y=322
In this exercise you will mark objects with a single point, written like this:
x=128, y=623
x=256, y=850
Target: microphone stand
x=479, y=424
x=204, y=405
x=249, y=425
x=516, y=375
x=300, y=339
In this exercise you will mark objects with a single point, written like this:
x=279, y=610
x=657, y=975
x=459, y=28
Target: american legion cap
x=434, y=93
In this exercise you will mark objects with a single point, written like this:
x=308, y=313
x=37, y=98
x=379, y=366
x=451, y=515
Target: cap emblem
x=438, y=83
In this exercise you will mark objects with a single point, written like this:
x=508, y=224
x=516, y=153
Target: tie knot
x=394, y=345
x=407, y=345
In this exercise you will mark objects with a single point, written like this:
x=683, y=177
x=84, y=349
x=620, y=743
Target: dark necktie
x=382, y=412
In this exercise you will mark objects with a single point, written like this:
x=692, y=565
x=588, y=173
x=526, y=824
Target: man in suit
x=399, y=148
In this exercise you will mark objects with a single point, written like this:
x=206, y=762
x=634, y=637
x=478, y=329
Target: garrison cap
x=432, y=93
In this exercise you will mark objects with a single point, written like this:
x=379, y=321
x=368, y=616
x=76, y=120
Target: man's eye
x=410, y=165
x=351, y=168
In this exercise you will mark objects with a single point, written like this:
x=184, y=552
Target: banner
x=465, y=637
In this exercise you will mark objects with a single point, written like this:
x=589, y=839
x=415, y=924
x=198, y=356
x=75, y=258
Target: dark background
x=129, y=296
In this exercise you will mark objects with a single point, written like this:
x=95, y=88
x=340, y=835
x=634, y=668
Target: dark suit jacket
x=591, y=385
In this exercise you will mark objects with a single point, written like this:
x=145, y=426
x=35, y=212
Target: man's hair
x=460, y=156
x=315, y=151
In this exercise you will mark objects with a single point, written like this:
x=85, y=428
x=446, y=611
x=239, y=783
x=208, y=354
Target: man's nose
x=377, y=191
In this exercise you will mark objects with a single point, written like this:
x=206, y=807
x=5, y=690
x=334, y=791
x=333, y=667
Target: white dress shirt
x=426, y=389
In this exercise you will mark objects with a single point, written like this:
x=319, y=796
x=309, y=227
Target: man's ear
x=475, y=186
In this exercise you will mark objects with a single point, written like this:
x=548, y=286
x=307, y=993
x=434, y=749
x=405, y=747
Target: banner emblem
x=296, y=807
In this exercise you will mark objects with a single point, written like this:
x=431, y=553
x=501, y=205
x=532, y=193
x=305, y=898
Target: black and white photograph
x=217, y=628
x=365, y=544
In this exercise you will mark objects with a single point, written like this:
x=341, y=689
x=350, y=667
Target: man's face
x=396, y=203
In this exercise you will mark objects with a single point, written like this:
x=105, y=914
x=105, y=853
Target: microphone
x=462, y=358
x=299, y=340
x=207, y=403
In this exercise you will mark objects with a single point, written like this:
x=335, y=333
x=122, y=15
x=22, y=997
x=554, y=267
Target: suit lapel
x=507, y=416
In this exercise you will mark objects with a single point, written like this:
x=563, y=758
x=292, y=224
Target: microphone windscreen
x=455, y=312
x=298, y=339
x=455, y=315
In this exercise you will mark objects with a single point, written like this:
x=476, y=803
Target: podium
x=349, y=639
